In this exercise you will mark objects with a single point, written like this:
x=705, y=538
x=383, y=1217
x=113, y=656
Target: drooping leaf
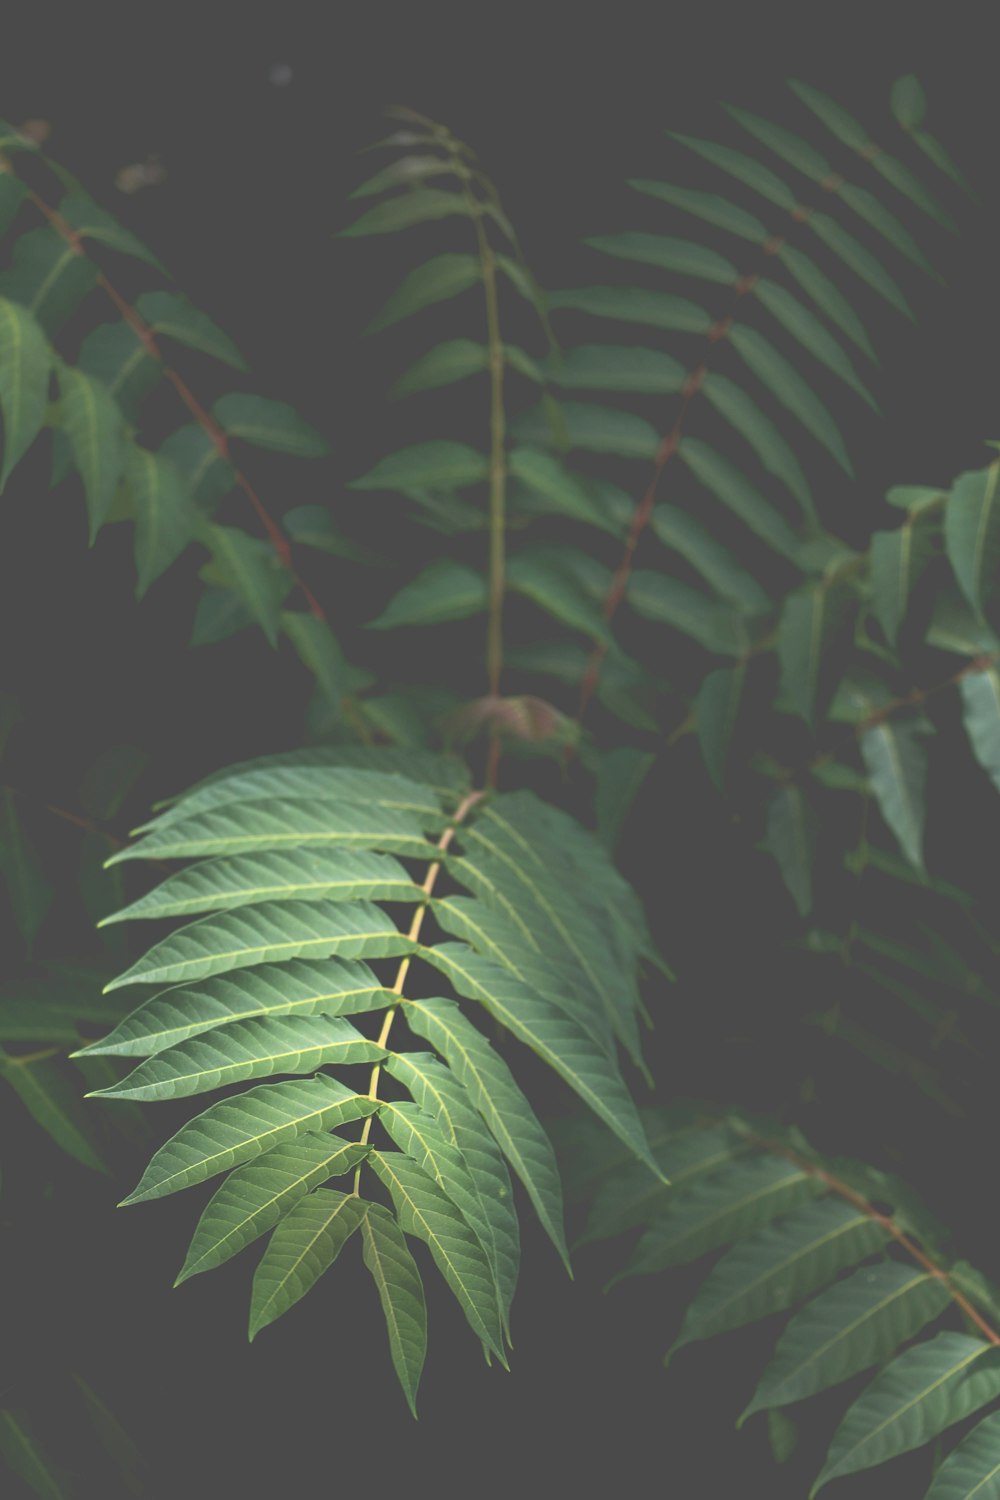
x=812, y=620
x=25, y=366
x=810, y=332
x=972, y=533
x=48, y=1091
x=93, y=422
x=304, y=1244
x=268, y=424
x=255, y=1196
x=171, y=314
x=95, y=223
x=165, y=520
x=418, y=206
x=981, y=701
x=424, y=1211
x=29, y=892
x=760, y=432
x=401, y=1293
x=746, y=169
x=499, y=1100
x=924, y=1390
x=194, y=453
x=669, y=602
x=48, y=277
x=238, y=1129
x=899, y=558
x=734, y=490
x=790, y=837
x=405, y=172
x=785, y=382
x=25, y=1456
x=896, y=761
x=856, y=1323
x=826, y=296
x=717, y=565
x=547, y=576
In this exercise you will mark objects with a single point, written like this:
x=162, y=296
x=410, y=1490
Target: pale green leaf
x=972, y=1470
x=899, y=559
x=255, y=1196
x=332, y=987
x=238, y=1129
x=271, y=932
x=896, y=761
x=405, y=172
x=438, y=279
x=423, y=1210
x=249, y=567
x=443, y=365
x=981, y=702
x=446, y=590
x=245, y=1049
x=401, y=1293
x=500, y=1102
x=25, y=1456
x=165, y=520
x=304, y=1244
x=418, y=206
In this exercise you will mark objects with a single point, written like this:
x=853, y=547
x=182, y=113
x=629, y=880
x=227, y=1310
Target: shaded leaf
x=446, y=590
x=268, y=424
x=25, y=366
x=93, y=422
x=972, y=533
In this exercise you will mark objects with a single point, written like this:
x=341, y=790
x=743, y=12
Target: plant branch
x=204, y=420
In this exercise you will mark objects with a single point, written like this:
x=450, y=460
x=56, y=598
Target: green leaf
x=249, y=567
x=318, y=650
x=741, y=1197
x=981, y=702
x=784, y=381
x=48, y=277
x=746, y=169
x=438, y=279
x=782, y=1434
x=826, y=297
x=620, y=774
x=896, y=762
x=50, y=1004
x=735, y=491
x=109, y=779
x=424, y=1210
x=668, y=254
x=165, y=520
x=435, y=465
x=268, y=424
x=446, y=363
x=93, y=422
x=238, y=1129
x=29, y=892
x=913, y=497
x=12, y=193
x=24, y=1456
x=810, y=332
x=860, y=260
x=972, y=1470
x=707, y=206
x=446, y=590
x=858, y=1322
x=791, y=148
x=667, y=601
x=779, y=1265
x=759, y=431
x=175, y=316
x=274, y=930
x=972, y=533
x=418, y=206
x=94, y=223
x=924, y=1390
x=312, y=526
x=401, y=1293
x=245, y=1049
x=333, y=987
x=631, y=304
x=812, y=620
x=553, y=1035
x=254, y=1197
x=48, y=1090
x=790, y=837
x=616, y=367
x=304, y=1244
x=275, y=875
x=193, y=452
x=717, y=708
x=548, y=576
x=25, y=366
x=404, y=173
x=566, y=494
x=499, y=1100
x=440, y=1094
x=630, y=1196
x=899, y=559
x=591, y=428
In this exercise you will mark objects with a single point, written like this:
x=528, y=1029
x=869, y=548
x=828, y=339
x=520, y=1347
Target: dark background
x=561, y=105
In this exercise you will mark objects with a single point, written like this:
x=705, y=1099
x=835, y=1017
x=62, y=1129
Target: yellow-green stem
x=430, y=880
